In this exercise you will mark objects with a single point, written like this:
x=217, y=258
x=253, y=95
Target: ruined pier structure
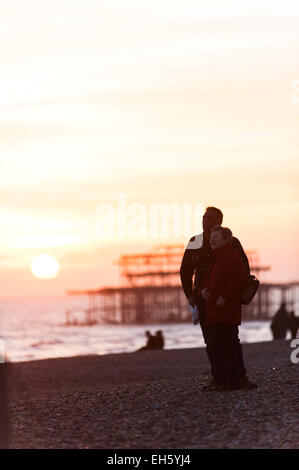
x=151, y=292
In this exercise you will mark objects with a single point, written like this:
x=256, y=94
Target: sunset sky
x=161, y=101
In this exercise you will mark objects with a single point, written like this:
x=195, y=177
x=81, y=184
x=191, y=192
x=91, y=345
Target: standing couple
x=220, y=267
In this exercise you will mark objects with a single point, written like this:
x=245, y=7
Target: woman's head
x=220, y=236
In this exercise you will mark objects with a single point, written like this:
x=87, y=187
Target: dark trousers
x=224, y=350
x=205, y=334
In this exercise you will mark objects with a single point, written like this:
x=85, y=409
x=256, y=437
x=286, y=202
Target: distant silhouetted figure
x=151, y=341
x=293, y=324
x=279, y=324
x=159, y=340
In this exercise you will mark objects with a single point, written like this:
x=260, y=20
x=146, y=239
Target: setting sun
x=45, y=267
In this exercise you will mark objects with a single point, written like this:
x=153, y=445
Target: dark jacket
x=196, y=262
x=225, y=278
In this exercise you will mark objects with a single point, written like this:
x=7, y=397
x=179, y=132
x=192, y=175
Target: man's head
x=211, y=218
x=220, y=236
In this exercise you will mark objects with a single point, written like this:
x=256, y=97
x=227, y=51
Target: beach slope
x=153, y=399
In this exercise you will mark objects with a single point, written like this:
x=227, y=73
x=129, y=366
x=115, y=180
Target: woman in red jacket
x=222, y=291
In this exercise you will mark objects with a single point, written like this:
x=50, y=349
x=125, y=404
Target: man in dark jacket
x=195, y=264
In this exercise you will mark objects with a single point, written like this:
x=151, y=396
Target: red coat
x=225, y=278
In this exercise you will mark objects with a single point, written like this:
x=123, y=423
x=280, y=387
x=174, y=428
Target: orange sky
x=172, y=101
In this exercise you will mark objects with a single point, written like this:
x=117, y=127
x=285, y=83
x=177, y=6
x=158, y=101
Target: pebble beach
x=153, y=400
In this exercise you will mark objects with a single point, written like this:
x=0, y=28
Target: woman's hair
x=225, y=232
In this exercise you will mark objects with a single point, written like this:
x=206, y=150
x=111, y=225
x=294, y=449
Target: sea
x=35, y=328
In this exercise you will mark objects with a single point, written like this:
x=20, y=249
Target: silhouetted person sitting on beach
x=279, y=324
x=153, y=342
x=293, y=324
x=159, y=340
x=150, y=344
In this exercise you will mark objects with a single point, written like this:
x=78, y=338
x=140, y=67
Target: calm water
x=35, y=329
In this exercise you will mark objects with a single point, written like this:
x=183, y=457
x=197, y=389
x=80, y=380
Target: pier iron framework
x=151, y=292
